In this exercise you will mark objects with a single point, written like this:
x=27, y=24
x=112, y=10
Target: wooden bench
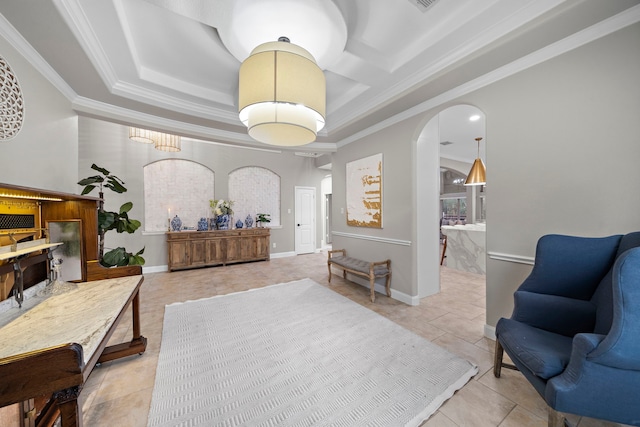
x=368, y=270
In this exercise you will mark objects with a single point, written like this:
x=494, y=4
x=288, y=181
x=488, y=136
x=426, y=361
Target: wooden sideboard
x=191, y=249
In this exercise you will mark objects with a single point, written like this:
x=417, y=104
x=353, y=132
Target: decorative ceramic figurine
x=203, y=224
x=248, y=221
x=176, y=224
x=239, y=223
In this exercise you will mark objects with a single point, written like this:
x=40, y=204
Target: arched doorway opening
x=446, y=143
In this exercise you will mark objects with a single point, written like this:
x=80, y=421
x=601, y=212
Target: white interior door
x=305, y=216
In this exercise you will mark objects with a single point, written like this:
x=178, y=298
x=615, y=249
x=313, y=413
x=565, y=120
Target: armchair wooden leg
x=498, y=364
x=557, y=419
x=497, y=359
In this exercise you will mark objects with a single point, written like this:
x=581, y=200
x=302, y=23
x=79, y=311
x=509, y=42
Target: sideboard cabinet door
x=178, y=254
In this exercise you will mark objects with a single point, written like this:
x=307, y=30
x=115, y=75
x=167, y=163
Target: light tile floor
x=118, y=393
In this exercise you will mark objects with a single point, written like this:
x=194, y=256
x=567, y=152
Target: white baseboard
x=155, y=269
x=401, y=296
x=490, y=332
x=282, y=254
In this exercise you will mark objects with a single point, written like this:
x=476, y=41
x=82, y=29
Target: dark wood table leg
x=138, y=343
x=69, y=405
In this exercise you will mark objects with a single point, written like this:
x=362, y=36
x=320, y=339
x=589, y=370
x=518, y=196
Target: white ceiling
x=162, y=64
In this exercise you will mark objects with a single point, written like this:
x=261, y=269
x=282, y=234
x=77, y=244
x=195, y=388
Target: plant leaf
x=115, y=184
x=99, y=169
x=91, y=180
x=88, y=189
x=126, y=207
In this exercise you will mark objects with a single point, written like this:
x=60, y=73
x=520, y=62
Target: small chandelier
x=167, y=142
x=161, y=141
x=478, y=173
x=281, y=97
x=141, y=135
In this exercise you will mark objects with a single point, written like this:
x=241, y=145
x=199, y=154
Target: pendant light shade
x=167, y=142
x=282, y=94
x=141, y=135
x=478, y=173
x=162, y=141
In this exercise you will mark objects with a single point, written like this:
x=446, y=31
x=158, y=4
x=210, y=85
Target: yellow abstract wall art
x=364, y=192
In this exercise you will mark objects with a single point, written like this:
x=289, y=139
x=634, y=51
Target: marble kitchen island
x=466, y=247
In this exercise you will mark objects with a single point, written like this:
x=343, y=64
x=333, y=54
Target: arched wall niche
x=176, y=187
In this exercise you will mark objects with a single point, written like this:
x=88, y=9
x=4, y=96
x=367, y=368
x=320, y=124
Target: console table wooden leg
x=70, y=411
x=136, y=315
x=138, y=343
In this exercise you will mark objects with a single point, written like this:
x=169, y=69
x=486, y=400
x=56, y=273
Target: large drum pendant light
x=282, y=94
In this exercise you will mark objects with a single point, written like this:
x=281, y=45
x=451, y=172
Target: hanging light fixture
x=167, y=142
x=162, y=141
x=141, y=135
x=477, y=174
x=281, y=97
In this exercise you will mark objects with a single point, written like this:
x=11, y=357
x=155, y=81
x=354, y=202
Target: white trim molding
x=512, y=258
x=372, y=238
x=490, y=332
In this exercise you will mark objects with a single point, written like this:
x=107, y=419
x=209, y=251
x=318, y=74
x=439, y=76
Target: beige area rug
x=296, y=354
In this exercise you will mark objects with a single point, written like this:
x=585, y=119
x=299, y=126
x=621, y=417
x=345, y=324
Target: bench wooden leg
x=388, y=285
x=372, y=283
x=329, y=265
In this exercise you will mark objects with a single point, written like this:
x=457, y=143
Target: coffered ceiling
x=172, y=65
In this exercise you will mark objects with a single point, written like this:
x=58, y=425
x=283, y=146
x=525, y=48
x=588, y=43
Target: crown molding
x=592, y=33
x=175, y=104
x=464, y=49
x=77, y=21
x=15, y=39
x=92, y=108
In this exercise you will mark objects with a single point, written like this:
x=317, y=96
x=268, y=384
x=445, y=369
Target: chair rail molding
x=511, y=258
x=372, y=238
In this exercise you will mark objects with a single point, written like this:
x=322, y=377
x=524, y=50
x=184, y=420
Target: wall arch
x=427, y=199
x=254, y=190
x=176, y=187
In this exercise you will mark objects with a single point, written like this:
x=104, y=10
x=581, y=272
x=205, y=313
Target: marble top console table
x=50, y=345
x=466, y=247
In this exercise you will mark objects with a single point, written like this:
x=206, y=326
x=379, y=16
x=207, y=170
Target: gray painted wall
x=562, y=154
x=43, y=151
x=397, y=218
x=562, y=157
x=108, y=145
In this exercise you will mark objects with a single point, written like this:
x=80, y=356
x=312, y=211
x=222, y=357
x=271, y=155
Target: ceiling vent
x=423, y=5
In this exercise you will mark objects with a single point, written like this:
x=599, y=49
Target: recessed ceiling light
x=474, y=118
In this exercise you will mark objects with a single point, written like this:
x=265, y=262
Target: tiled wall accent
x=182, y=186
x=255, y=190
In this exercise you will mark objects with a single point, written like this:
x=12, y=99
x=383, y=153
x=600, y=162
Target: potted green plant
x=118, y=221
x=261, y=218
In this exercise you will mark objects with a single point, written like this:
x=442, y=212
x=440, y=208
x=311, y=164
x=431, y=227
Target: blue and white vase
x=203, y=224
x=223, y=222
x=248, y=221
x=176, y=224
x=239, y=223
x=212, y=223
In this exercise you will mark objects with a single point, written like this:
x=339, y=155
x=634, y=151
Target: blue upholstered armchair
x=575, y=328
